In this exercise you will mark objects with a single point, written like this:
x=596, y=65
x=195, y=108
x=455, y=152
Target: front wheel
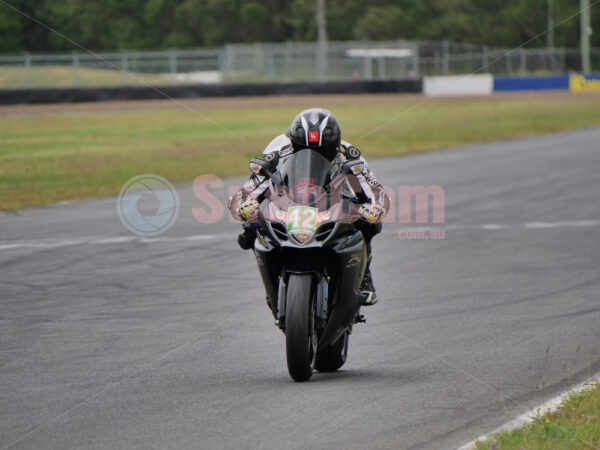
x=300, y=335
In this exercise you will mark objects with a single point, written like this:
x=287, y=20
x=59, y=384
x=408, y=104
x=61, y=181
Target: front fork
x=321, y=291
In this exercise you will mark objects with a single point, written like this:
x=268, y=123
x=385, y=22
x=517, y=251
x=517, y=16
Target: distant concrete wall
x=459, y=85
x=73, y=95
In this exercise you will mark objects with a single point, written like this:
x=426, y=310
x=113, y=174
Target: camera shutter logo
x=162, y=219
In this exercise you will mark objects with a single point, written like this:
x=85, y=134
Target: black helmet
x=316, y=129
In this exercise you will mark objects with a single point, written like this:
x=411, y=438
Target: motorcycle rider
x=318, y=130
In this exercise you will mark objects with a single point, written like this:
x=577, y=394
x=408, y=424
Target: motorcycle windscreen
x=305, y=175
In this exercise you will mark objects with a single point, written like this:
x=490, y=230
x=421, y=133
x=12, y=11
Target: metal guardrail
x=281, y=62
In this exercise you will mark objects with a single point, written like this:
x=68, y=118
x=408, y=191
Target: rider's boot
x=247, y=237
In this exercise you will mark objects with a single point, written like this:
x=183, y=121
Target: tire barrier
x=94, y=94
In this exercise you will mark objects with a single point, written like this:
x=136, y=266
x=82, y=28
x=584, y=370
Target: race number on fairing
x=301, y=218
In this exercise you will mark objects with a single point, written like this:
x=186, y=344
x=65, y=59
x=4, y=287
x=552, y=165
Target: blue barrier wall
x=531, y=83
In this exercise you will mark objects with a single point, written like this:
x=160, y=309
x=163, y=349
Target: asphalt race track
x=113, y=341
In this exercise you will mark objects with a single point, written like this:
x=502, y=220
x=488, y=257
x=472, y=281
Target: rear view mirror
x=259, y=166
x=354, y=167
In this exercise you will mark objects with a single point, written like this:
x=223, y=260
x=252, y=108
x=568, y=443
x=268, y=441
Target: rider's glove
x=371, y=213
x=249, y=210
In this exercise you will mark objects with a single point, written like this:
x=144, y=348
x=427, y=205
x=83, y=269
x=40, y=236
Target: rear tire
x=332, y=357
x=300, y=335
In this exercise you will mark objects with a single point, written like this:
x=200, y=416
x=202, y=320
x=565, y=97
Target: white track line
x=500, y=226
x=547, y=407
x=101, y=240
x=96, y=240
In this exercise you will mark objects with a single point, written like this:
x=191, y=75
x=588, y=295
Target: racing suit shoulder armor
x=277, y=144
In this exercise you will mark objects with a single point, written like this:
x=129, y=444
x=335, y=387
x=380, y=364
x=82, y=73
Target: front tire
x=300, y=335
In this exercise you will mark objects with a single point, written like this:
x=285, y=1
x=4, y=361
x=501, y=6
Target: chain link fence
x=282, y=62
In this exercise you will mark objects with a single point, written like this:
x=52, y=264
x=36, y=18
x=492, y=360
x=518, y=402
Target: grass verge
x=65, y=76
x=576, y=425
x=46, y=158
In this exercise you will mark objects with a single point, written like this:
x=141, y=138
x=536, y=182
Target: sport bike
x=310, y=255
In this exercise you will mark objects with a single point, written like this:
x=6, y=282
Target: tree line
x=153, y=24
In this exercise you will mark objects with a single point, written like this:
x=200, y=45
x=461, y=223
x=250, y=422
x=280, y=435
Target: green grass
x=64, y=76
x=576, y=425
x=50, y=158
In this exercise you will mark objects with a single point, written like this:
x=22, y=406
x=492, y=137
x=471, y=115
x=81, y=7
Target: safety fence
x=282, y=63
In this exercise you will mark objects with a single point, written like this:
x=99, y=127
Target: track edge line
x=546, y=407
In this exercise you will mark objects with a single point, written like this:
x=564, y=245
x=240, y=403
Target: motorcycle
x=310, y=256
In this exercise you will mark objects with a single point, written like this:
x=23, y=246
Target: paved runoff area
x=110, y=340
